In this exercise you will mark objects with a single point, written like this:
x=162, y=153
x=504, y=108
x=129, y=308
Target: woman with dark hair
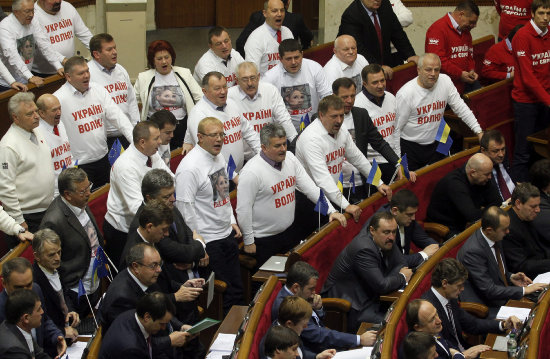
x=167, y=87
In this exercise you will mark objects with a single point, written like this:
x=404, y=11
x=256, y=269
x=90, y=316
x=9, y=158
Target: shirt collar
x=489, y=242
x=276, y=165
x=455, y=24
x=373, y=98
x=141, y=327
x=47, y=272
x=206, y=153
x=243, y=94
x=75, y=91
x=285, y=288
x=141, y=236
x=211, y=103
x=102, y=68
x=138, y=153
x=538, y=30
x=441, y=298
x=367, y=10
x=77, y=211
x=272, y=31
x=141, y=285
x=219, y=58
x=343, y=66
x=26, y=334
x=47, y=126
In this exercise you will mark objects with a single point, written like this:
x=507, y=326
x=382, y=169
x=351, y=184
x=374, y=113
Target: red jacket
x=532, y=66
x=498, y=63
x=454, y=49
x=512, y=13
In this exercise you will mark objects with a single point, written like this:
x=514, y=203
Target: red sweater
x=532, y=66
x=498, y=63
x=454, y=49
x=512, y=13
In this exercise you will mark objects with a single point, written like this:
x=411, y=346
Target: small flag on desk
x=81, y=290
x=231, y=167
x=375, y=174
x=352, y=181
x=115, y=152
x=304, y=122
x=405, y=164
x=99, y=268
x=322, y=204
x=443, y=137
x=340, y=183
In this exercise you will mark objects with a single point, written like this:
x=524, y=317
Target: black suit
x=52, y=302
x=455, y=202
x=14, y=346
x=485, y=284
x=542, y=221
x=357, y=23
x=523, y=249
x=360, y=275
x=441, y=347
x=125, y=341
x=294, y=22
x=413, y=233
x=464, y=322
x=306, y=354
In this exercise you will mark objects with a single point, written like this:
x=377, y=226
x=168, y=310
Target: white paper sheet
x=505, y=312
x=210, y=296
x=75, y=350
x=362, y=353
x=542, y=278
x=501, y=344
x=224, y=342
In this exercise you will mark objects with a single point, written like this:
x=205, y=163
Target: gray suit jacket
x=485, y=284
x=360, y=274
x=75, y=245
x=14, y=346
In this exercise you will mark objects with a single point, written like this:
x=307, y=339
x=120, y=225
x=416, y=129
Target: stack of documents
x=223, y=345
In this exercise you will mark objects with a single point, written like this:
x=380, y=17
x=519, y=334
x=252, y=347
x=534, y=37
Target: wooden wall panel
x=309, y=10
x=236, y=13
x=183, y=13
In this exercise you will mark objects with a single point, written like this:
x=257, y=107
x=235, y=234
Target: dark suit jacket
x=14, y=346
x=306, y=354
x=413, y=233
x=455, y=201
x=542, y=221
x=75, y=245
x=46, y=333
x=360, y=274
x=51, y=303
x=125, y=340
x=357, y=23
x=523, y=249
x=442, y=348
x=464, y=321
x=485, y=284
x=316, y=336
x=294, y=22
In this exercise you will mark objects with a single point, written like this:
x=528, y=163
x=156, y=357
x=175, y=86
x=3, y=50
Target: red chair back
x=265, y=323
x=401, y=75
x=481, y=46
x=321, y=53
x=98, y=205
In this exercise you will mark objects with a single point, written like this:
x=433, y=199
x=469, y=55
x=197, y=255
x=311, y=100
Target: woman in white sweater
x=167, y=87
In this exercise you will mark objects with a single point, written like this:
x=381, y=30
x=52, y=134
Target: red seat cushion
x=400, y=78
x=264, y=324
x=98, y=206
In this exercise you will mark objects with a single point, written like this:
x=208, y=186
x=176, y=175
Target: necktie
x=500, y=264
x=378, y=34
x=55, y=130
x=149, y=346
x=451, y=319
x=279, y=36
x=149, y=163
x=34, y=139
x=504, y=191
x=219, y=108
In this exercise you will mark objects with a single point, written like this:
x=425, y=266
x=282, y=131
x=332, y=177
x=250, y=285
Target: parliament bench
x=320, y=53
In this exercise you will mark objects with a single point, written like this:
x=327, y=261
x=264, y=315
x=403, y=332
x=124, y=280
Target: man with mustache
x=55, y=134
x=50, y=15
x=260, y=102
x=370, y=266
x=106, y=71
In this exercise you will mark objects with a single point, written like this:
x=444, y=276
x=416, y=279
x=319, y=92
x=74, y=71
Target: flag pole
x=110, y=262
x=394, y=174
x=91, y=309
x=319, y=228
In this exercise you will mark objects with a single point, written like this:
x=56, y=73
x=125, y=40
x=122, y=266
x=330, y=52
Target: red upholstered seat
x=322, y=53
x=175, y=161
x=264, y=323
x=480, y=48
x=401, y=75
x=98, y=206
x=544, y=344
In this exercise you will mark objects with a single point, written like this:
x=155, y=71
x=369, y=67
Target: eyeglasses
x=83, y=192
x=153, y=266
x=214, y=135
x=249, y=79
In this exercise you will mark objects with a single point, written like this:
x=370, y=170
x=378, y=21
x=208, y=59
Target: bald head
x=345, y=49
x=49, y=109
x=274, y=13
x=478, y=169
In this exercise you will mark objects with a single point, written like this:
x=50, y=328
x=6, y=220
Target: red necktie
x=504, y=191
x=149, y=162
x=149, y=346
x=378, y=34
x=55, y=130
x=279, y=36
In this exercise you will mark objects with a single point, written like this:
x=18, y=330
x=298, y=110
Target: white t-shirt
x=84, y=116
x=60, y=148
x=323, y=156
x=166, y=94
x=267, y=196
x=202, y=194
x=266, y=107
x=347, y=168
x=383, y=117
x=301, y=91
x=234, y=125
x=118, y=85
x=19, y=45
x=335, y=69
x=165, y=153
x=125, y=196
x=262, y=47
x=60, y=30
x=209, y=61
x=420, y=110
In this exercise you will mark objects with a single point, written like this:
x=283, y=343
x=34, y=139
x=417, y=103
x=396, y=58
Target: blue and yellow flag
x=340, y=183
x=81, y=290
x=405, y=164
x=352, y=181
x=375, y=174
x=99, y=268
x=115, y=151
x=304, y=122
x=445, y=140
x=322, y=204
x=231, y=167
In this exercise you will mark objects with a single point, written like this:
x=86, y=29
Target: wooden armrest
x=391, y=297
x=436, y=230
x=219, y=286
x=337, y=304
x=247, y=261
x=479, y=310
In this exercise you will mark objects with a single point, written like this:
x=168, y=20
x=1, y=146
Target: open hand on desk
x=535, y=287
x=512, y=322
x=327, y=354
x=473, y=352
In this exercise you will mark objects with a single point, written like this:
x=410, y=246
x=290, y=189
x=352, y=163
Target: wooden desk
x=540, y=142
x=231, y=322
x=391, y=297
x=491, y=337
x=263, y=275
x=364, y=327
